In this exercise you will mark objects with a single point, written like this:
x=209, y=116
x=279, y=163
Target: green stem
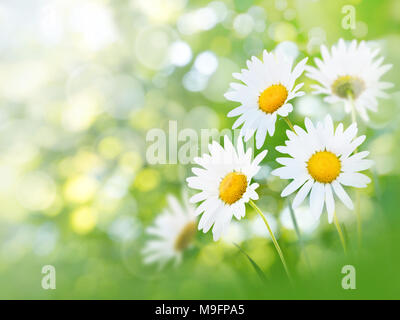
x=297, y=229
x=289, y=123
x=353, y=112
x=358, y=215
x=357, y=207
x=278, y=249
x=339, y=230
x=292, y=216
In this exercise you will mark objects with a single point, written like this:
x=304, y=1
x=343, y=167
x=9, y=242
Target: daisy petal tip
x=192, y=200
x=295, y=205
x=274, y=173
x=255, y=185
x=216, y=236
x=235, y=125
x=255, y=197
x=284, y=194
x=263, y=154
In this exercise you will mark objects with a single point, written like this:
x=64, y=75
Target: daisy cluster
x=321, y=158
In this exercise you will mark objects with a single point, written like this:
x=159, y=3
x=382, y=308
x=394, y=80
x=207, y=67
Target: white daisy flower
x=351, y=73
x=321, y=162
x=172, y=233
x=225, y=184
x=267, y=88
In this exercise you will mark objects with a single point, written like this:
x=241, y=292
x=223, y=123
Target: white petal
x=317, y=198
x=354, y=165
x=330, y=202
x=260, y=135
x=198, y=197
x=354, y=179
x=302, y=194
x=293, y=186
x=342, y=195
x=209, y=217
x=237, y=111
x=222, y=222
x=260, y=157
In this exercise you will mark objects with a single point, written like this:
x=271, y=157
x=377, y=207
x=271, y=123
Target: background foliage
x=81, y=83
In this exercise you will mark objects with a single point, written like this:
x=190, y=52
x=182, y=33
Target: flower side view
x=266, y=89
x=225, y=184
x=172, y=233
x=322, y=162
x=350, y=73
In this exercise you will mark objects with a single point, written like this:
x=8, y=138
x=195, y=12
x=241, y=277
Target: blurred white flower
x=351, y=73
x=267, y=87
x=257, y=226
x=172, y=233
x=306, y=222
x=320, y=161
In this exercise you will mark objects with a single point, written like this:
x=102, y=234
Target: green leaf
x=253, y=263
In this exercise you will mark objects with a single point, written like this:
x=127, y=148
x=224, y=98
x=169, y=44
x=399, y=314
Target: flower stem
x=358, y=214
x=357, y=208
x=353, y=112
x=278, y=249
x=350, y=97
x=289, y=123
x=297, y=229
x=339, y=230
x=292, y=215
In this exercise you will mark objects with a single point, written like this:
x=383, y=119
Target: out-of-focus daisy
x=267, y=88
x=321, y=162
x=225, y=184
x=172, y=233
x=351, y=73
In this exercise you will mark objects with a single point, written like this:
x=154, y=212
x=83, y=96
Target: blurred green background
x=82, y=82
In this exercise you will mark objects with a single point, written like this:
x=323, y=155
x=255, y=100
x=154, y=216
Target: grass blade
x=253, y=263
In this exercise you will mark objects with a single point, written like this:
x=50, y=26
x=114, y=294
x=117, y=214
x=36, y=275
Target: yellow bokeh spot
x=80, y=189
x=86, y=161
x=284, y=31
x=131, y=162
x=324, y=166
x=110, y=147
x=83, y=220
x=147, y=179
x=161, y=11
x=145, y=119
x=272, y=98
x=232, y=187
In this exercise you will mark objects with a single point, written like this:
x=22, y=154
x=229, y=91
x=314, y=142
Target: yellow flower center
x=346, y=86
x=272, y=98
x=232, y=187
x=324, y=166
x=185, y=237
